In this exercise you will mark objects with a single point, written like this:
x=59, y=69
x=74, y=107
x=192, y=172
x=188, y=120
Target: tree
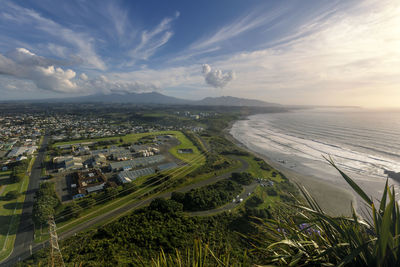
x=14, y=194
x=111, y=192
x=165, y=206
x=244, y=178
x=178, y=196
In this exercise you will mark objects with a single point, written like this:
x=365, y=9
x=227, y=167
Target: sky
x=312, y=52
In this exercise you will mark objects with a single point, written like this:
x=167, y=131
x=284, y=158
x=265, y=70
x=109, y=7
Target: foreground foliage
x=315, y=238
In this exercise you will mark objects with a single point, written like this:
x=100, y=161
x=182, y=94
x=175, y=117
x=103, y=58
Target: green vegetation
x=243, y=178
x=11, y=207
x=11, y=195
x=260, y=169
x=313, y=237
x=19, y=170
x=208, y=197
x=136, y=239
x=300, y=235
x=46, y=203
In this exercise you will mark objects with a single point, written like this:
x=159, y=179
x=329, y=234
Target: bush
x=208, y=197
x=271, y=191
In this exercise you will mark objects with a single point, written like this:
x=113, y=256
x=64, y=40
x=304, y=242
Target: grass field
x=256, y=171
x=9, y=214
x=269, y=201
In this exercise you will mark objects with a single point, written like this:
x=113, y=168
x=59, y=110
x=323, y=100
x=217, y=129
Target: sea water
x=363, y=143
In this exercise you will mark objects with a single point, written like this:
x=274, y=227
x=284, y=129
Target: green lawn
x=256, y=171
x=9, y=214
x=269, y=201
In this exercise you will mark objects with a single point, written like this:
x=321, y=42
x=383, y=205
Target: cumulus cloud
x=22, y=63
x=217, y=78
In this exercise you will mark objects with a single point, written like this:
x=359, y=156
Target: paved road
x=23, y=252
x=24, y=238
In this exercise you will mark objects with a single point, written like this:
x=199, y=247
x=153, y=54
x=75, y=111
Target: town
x=84, y=166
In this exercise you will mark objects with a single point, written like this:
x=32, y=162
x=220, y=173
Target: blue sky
x=291, y=52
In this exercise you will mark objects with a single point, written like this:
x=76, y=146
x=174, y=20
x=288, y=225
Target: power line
x=178, y=171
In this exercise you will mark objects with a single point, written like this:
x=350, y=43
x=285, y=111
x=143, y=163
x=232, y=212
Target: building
x=68, y=163
x=130, y=176
x=139, y=162
x=167, y=166
x=87, y=182
x=18, y=151
x=185, y=150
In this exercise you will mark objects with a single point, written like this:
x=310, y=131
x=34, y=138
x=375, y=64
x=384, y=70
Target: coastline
x=332, y=198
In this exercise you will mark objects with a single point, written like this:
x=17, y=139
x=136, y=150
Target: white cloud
x=23, y=64
x=82, y=42
x=84, y=77
x=217, y=78
x=104, y=85
x=152, y=40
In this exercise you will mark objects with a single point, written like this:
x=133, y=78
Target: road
x=22, y=252
x=24, y=238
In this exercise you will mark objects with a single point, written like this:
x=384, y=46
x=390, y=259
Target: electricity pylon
x=56, y=259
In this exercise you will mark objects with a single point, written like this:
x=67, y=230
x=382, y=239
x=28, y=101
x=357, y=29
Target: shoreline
x=332, y=198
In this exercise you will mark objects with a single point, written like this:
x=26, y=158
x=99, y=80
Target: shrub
x=243, y=178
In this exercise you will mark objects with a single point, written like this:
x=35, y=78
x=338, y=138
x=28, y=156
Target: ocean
x=363, y=143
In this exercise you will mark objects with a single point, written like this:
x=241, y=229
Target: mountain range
x=158, y=98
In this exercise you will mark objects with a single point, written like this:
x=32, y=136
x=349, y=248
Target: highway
x=24, y=237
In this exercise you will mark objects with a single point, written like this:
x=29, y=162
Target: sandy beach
x=333, y=198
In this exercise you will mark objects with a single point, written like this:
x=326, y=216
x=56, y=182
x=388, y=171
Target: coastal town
x=77, y=167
